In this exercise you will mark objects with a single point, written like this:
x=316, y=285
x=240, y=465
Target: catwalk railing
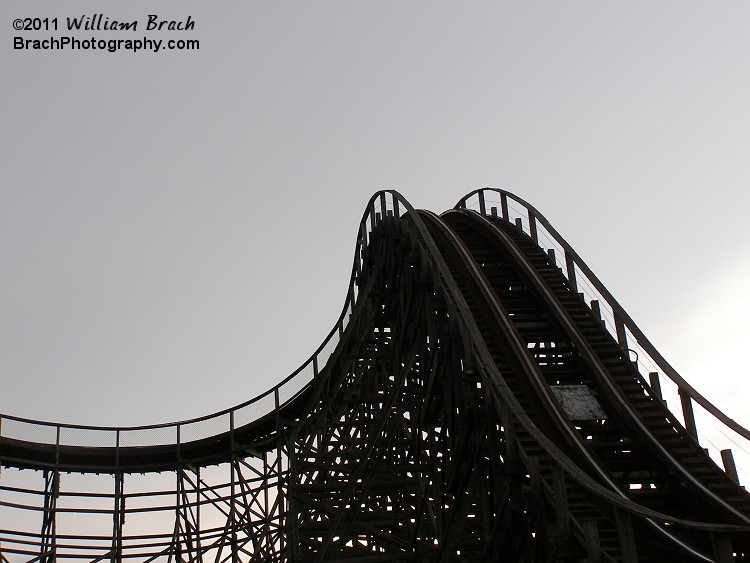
x=706, y=422
x=230, y=506
x=226, y=421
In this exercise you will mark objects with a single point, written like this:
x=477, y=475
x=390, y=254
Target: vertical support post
x=571, y=268
x=627, y=537
x=537, y=505
x=532, y=228
x=57, y=445
x=198, y=503
x=551, y=256
x=729, y=467
x=363, y=236
x=281, y=495
x=178, y=440
x=493, y=211
x=722, y=544
x=48, y=543
x=593, y=545
x=118, y=518
x=396, y=210
x=180, y=520
x=687, y=413
x=233, y=509
x=504, y=206
x=482, y=203
x=372, y=216
x=653, y=378
x=561, y=504
x=596, y=309
x=622, y=337
x=231, y=430
x=513, y=466
x=292, y=535
x=117, y=449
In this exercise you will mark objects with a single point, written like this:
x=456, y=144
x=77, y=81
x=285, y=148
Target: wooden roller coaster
x=482, y=397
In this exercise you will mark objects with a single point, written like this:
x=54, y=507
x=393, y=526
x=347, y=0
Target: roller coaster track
x=481, y=397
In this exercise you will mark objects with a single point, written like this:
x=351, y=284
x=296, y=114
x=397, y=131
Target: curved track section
x=482, y=397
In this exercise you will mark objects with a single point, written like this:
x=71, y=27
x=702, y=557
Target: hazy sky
x=177, y=228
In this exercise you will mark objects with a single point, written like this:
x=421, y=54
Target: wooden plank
x=622, y=338
x=570, y=266
x=687, y=412
x=593, y=545
x=653, y=378
x=627, y=536
x=537, y=505
x=532, y=228
x=722, y=545
x=561, y=505
x=729, y=467
x=551, y=255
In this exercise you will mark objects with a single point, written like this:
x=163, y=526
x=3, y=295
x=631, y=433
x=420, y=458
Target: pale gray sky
x=177, y=228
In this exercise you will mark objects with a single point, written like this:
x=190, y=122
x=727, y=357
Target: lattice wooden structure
x=482, y=397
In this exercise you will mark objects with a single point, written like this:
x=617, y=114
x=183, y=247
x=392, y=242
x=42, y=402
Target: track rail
x=494, y=202
x=37, y=444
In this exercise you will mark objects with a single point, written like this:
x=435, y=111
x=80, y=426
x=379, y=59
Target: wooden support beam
x=571, y=268
x=118, y=518
x=551, y=255
x=622, y=337
x=729, y=467
x=627, y=536
x=653, y=378
x=48, y=536
x=596, y=309
x=538, y=508
x=722, y=545
x=687, y=413
x=532, y=228
x=593, y=545
x=562, y=510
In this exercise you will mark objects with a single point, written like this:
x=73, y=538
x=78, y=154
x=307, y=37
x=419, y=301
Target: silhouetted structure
x=482, y=397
